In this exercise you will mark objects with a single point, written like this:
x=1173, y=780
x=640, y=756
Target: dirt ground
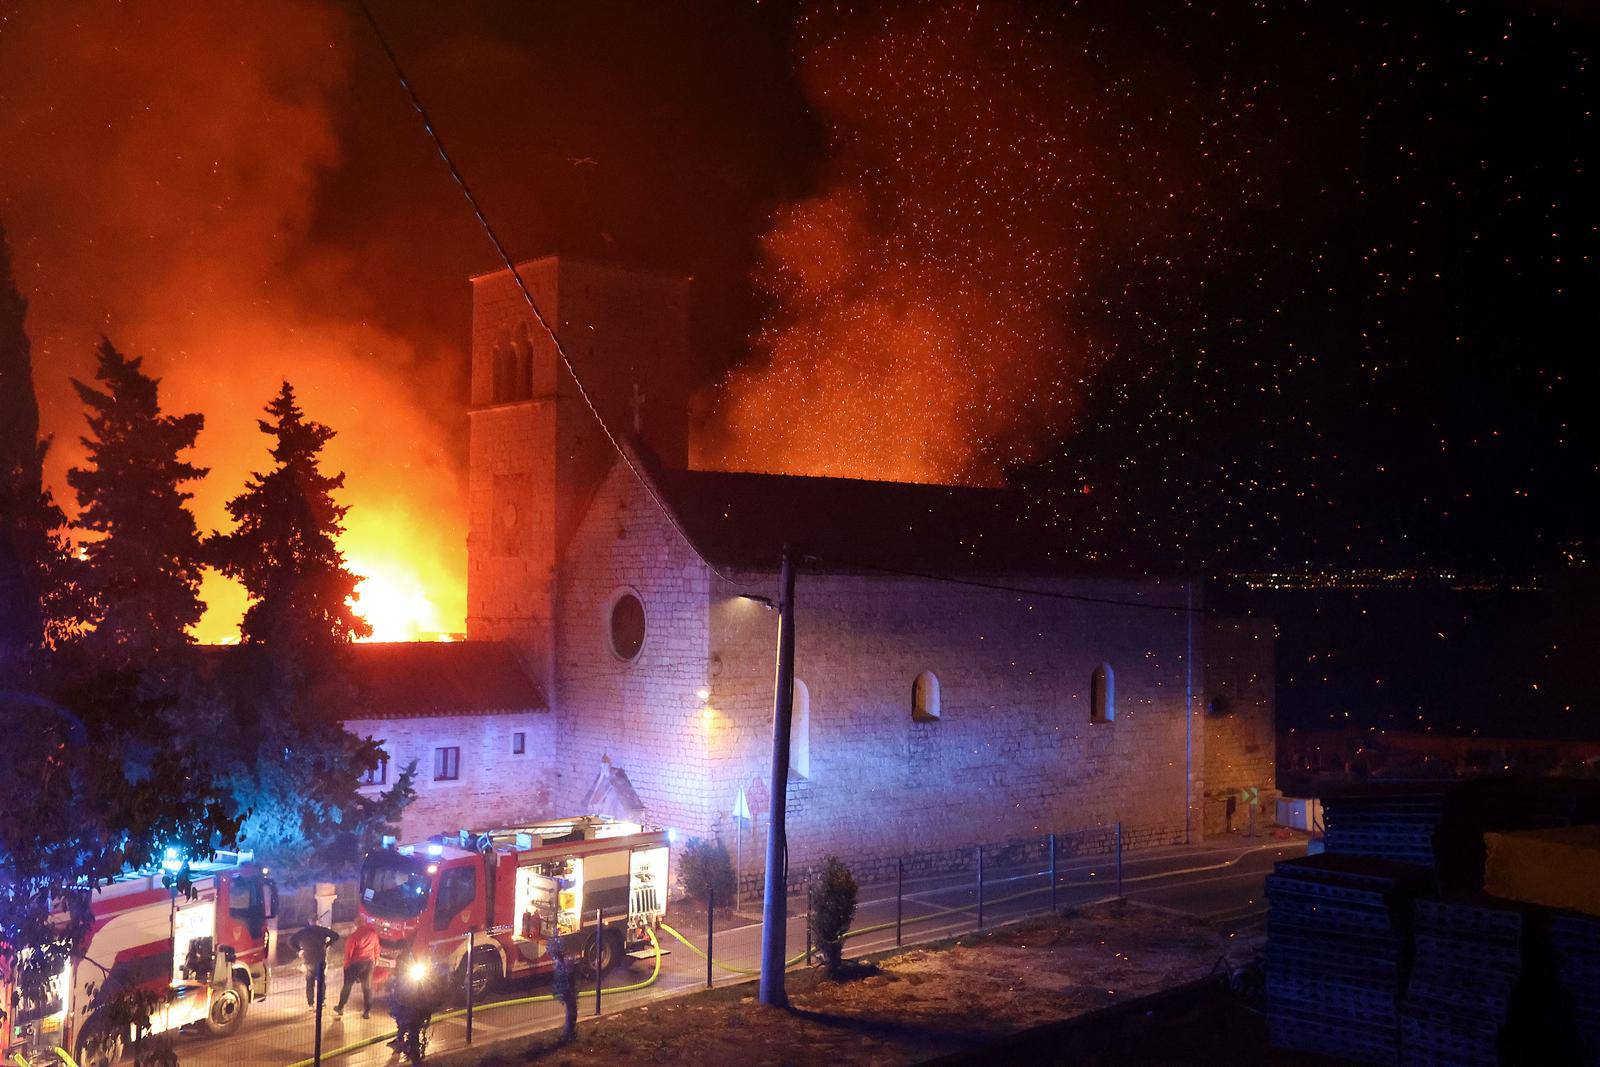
x=921, y=1003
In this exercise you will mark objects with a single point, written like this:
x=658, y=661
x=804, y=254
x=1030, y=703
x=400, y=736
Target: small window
x=457, y=887
x=519, y=743
x=447, y=764
x=627, y=626
x=502, y=369
x=800, y=733
x=377, y=775
x=925, y=698
x=1103, y=694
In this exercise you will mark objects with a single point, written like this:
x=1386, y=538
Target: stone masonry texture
x=559, y=528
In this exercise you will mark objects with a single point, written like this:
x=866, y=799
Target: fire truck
x=206, y=957
x=600, y=884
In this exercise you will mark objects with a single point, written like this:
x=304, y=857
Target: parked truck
x=499, y=896
x=205, y=958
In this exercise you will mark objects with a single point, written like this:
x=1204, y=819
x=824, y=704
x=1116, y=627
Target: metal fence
x=918, y=898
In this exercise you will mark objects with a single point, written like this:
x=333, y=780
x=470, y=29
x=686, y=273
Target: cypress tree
x=35, y=579
x=297, y=768
x=142, y=573
x=284, y=547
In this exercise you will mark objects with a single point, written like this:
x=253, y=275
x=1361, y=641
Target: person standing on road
x=312, y=944
x=360, y=956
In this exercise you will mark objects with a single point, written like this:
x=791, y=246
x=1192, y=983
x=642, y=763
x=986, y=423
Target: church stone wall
x=1013, y=754
x=1240, y=727
x=644, y=714
x=496, y=787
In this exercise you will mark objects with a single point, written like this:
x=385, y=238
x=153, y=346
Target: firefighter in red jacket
x=360, y=957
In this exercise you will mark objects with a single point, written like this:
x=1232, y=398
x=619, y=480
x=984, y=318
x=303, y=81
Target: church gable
x=631, y=650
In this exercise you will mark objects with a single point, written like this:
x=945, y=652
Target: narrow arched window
x=925, y=698
x=800, y=732
x=1103, y=694
x=524, y=363
x=500, y=373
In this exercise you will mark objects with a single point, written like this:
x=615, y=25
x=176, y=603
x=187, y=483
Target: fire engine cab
x=598, y=883
x=207, y=958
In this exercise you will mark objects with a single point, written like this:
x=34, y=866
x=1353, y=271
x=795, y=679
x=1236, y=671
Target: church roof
x=415, y=678
x=743, y=520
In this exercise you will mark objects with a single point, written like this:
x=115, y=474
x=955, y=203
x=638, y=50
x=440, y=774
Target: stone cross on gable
x=636, y=402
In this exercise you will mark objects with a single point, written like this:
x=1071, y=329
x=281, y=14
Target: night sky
x=1240, y=287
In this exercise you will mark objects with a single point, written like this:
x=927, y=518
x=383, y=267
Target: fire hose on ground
x=938, y=911
x=540, y=998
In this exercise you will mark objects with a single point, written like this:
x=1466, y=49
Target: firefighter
x=312, y=944
x=361, y=952
x=415, y=993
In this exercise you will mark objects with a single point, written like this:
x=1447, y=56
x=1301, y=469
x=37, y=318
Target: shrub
x=705, y=868
x=833, y=906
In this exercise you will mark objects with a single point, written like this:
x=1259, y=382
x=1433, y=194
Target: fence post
x=810, y=903
x=322, y=993
x=471, y=945
x=1052, y=874
x=899, y=895
x=1119, y=860
x=980, y=887
x=711, y=925
x=599, y=954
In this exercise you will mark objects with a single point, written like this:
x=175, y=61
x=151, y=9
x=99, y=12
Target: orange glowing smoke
x=159, y=171
x=930, y=303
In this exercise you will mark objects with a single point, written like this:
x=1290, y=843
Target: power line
x=527, y=296
x=566, y=361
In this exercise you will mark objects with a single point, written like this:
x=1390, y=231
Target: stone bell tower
x=536, y=451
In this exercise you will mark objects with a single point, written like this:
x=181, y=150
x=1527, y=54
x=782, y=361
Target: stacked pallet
x=1338, y=946
x=1391, y=823
x=1575, y=943
x=1459, y=997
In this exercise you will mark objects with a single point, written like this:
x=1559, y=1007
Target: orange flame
x=168, y=195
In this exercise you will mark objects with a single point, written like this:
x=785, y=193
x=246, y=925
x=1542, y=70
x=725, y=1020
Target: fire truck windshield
x=394, y=886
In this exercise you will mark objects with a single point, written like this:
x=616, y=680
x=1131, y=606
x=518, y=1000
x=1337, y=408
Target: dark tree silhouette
x=297, y=769
x=284, y=548
x=35, y=560
x=142, y=573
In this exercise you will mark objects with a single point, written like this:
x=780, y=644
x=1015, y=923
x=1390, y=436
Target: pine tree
x=284, y=548
x=297, y=768
x=35, y=560
x=142, y=574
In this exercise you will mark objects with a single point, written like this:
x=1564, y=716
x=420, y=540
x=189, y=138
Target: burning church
x=960, y=678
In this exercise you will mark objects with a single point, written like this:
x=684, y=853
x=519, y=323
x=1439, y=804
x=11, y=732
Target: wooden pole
x=711, y=931
x=775, y=906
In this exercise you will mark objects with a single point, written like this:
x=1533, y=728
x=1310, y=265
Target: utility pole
x=775, y=908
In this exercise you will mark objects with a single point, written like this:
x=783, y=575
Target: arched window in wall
x=524, y=363
x=500, y=371
x=925, y=698
x=1103, y=694
x=800, y=733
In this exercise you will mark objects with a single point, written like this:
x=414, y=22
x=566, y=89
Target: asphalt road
x=1221, y=881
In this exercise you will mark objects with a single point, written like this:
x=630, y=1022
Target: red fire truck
x=207, y=958
x=598, y=883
